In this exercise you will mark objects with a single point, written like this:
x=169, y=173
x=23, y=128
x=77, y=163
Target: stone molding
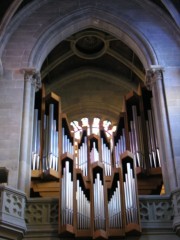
x=153, y=75
x=12, y=206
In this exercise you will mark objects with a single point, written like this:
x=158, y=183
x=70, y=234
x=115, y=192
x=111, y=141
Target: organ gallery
x=97, y=166
x=89, y=119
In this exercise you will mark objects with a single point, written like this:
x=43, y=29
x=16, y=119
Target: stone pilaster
x=155, y=82
x=32, y=83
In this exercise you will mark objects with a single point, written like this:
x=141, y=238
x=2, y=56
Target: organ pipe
x=83, y=208
x=35, y=161
x=66, y=196
x=114, y=208
x=120, y=147
x=130, y=196
x=96, y=151
x=83, y=156
x=99, y=214
x=106, y=157
x=94, y=154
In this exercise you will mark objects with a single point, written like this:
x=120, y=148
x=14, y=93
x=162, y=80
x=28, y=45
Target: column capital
x=153, y=74
x=33, y=76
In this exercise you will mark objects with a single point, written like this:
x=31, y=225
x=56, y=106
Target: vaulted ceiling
x=92, y=71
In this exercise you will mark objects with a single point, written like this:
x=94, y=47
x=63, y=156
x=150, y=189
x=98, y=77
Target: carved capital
x=176, y=209
x=33, y=76
x=153, y=75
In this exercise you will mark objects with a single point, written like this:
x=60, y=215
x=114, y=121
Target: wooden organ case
x=97, y=175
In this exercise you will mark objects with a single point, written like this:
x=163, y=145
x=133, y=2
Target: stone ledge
x=12, y=205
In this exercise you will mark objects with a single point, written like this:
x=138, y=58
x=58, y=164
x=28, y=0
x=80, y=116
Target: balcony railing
x=41, y=215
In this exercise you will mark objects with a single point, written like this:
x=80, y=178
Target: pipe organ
x=97, y=168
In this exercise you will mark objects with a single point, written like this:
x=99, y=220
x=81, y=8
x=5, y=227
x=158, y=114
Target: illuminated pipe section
x=130, y=196
x=120, y=147
x=94, y=154
x=99, y=214
x=67, y=145
x=136, y=139
x=66, y=196
x=155, y=134
x=154, y=156
x=106, y=158
x=83, y=209
x=114, y=209
x=83, y=158
x=45, y=143
x=35, y=161
x=50, y=134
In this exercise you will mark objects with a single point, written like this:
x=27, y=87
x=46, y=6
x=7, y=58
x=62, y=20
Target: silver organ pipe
x=94, y=154
x=87, y=152
x=83, y=157
x=114, y=209
x=120, y=147
x=38, y=145
x=50, y=133
x=154, y=157
x=136, y=139
x=55, y=148
x=46, y=139
x=52, y=140
x=66, y=196
x=106, y=158
x=67, y=145
x=83, y=209
x=99, y=210
x=130, y=196
x=35, y=162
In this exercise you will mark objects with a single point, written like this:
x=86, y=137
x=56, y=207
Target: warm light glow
x=93, y=128
x=85, y=122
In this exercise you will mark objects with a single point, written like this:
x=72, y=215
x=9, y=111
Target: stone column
x=155, y=82
x=32, y=83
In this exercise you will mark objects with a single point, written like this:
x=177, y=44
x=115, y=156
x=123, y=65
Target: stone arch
x=101, y=15
x=98, y=20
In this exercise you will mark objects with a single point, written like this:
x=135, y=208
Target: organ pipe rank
x=96, y=166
